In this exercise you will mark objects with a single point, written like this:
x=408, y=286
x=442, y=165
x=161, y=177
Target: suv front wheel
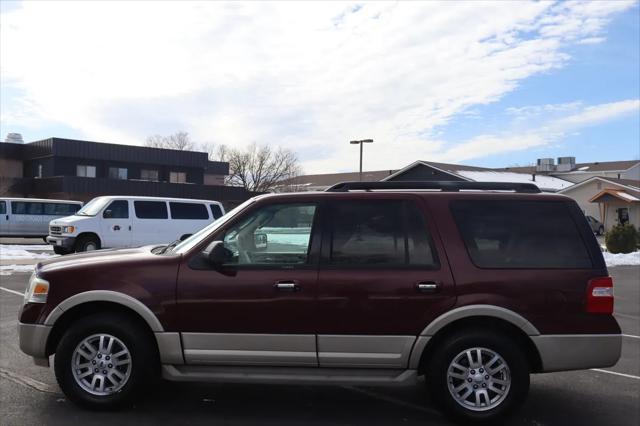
x=103, y=361
x=477, y=376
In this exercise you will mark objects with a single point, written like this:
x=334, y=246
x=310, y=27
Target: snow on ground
x=619, y=259
x=9, y=269
x=24, y=251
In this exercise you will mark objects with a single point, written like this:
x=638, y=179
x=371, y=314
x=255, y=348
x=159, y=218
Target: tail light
x=600, y=296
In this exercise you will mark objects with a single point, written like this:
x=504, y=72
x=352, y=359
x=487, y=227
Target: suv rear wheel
x=478, y=376
x=104, y=360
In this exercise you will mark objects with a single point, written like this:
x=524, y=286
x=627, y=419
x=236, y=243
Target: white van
x=127, y=221
x=30, y=217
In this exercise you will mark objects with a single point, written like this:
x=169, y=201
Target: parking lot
x=29, y=394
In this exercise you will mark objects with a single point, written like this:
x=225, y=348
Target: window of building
x=151, y=209
x=520, y=234
x=85, y=171
x=216, y=211
x=178, y=177
x=379, y=232
x=118, y=209
x=188, y=211
x=273, y=235
x=147, y=174
x=117, y=173
x=39, y=170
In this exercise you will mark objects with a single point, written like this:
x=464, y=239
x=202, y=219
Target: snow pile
x=9, y=269
x=24, y=251
x=619, y=259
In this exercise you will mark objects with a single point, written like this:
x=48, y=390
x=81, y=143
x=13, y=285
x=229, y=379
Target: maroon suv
x=474, y=286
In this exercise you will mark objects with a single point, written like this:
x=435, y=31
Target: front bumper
x=33, y=341
x=66, y=243
x=578, y=351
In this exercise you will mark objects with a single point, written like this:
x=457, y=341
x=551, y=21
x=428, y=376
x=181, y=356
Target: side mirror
x=108, y=214
x=217, y=254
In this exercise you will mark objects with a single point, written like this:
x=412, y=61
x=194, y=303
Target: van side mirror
x=108, y=214
x=217, y=254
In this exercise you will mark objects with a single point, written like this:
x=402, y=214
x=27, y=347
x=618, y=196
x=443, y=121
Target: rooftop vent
x=545, y=165
x=566, y=164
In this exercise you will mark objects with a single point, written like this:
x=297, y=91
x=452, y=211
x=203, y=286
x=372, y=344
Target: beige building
x=610, y=200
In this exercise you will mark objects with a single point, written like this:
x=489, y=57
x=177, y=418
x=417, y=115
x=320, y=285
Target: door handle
x=129, y=227
x=287, y=286
x=428, y=287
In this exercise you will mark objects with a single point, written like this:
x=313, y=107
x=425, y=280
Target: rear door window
x=520, y=234
x=378, y=233
x=151, y=209
x=216, y=211
x=188, y=211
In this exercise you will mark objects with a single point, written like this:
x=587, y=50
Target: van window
x=380, y=232
x=30, y=208
x=151, y=209
x=119, y=209
x=188, y=211
x=216, y=211
x=520, y=234
x=3, y=207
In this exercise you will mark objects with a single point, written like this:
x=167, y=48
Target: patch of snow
x=9, y=269
x=626, y=196
x=543, y=182
x=619, y=259
x=8, y=251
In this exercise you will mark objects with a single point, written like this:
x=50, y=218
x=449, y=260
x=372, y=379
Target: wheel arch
x=477, y=316
x=90, y=234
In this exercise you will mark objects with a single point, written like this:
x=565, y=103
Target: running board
x=288, y=375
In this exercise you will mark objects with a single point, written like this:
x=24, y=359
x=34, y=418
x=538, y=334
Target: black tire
x=60, y=250
x=139, y=342
x=86, y=242
x=507, y=348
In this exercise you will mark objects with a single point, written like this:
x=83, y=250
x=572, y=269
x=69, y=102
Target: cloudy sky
x=481, y=83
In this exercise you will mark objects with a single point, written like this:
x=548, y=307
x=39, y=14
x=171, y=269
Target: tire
x=86, y=243
x=60, y=250
x=515, y=373
x=117, y=392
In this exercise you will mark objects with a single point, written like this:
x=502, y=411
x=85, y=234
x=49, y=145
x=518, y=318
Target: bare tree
x=5, y=185
x=259, y=168
x=180, y=141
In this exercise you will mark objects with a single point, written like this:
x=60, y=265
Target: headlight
x=37, y=290
x=68, y=229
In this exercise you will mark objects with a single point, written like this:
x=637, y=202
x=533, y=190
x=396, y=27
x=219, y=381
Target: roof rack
x=445, y=186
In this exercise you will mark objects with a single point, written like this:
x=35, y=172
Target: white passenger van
x=30, y=217
x=129, y=221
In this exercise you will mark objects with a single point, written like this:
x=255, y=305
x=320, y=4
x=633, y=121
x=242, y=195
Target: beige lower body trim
x=578, y=351
x=169, y=348
x=364, y=351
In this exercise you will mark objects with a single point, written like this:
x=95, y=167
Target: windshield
x=93, y=207
x=195, y=239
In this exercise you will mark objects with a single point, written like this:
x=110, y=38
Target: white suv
x=126, y=221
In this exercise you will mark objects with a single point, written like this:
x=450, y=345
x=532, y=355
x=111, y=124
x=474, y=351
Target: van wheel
x=105, y=361
x=87, y=243
x=478, y=377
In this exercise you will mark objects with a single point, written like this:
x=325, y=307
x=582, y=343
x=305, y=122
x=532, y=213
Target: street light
x=363, y=141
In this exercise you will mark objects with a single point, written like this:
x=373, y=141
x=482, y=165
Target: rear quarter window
x=515, y=234
x=188, y=211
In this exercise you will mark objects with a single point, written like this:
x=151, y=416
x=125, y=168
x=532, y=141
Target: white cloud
x=596, y=114
x=309, y=76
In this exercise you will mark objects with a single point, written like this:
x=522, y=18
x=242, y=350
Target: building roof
x=598, y=166
x=630, y=184
x=328, y=179
x=607, y=194
x=545, y=183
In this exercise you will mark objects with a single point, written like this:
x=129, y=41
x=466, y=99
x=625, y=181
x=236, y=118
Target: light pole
x=360, y=142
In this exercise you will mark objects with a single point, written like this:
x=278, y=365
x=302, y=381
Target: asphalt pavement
x=29, y=394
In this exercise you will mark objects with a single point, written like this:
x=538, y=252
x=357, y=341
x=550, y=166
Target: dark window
x=60, y=209
x=383, y=232
x=21, y=207
x=3, y=207
x=151, y=209
x=119, y=210
x=279, y=234
x=188, y=211
x=520, y=234
x=146, y=174
x=117, y=173
x=216, y=211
